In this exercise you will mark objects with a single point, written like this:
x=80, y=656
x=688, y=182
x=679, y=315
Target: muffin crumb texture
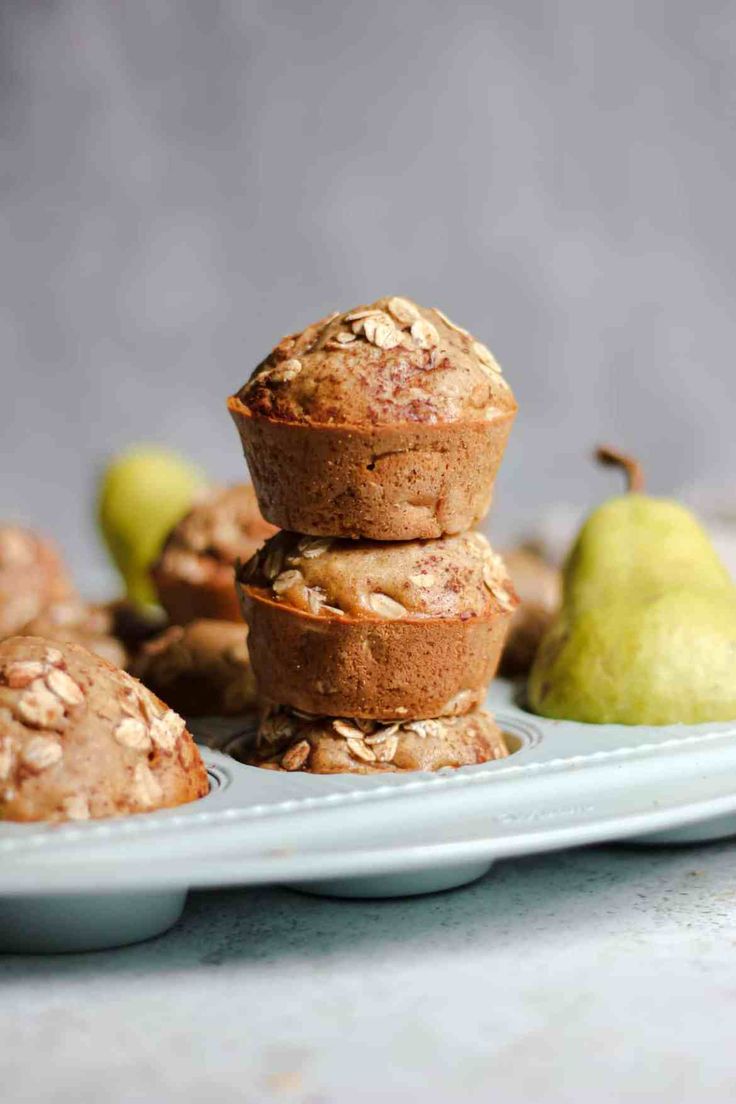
x=80, y=739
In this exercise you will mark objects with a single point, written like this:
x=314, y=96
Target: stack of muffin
x=377, y=618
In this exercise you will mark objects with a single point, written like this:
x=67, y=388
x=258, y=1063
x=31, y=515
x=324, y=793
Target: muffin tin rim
x=533, y=731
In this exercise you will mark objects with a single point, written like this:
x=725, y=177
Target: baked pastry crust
x=194, y=575
x=32, y=576
x=200, y=669
x=376, y=630
x=387, y=421
x=322, y=745
x=81, y=739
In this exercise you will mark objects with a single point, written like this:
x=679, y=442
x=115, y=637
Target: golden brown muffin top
x=453, y=577
x=225, y=525
x=392, y=362
x=80, y=738
x=292, y=741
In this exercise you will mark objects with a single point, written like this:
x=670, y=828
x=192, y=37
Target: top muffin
x=390, y=362
x=385, y=421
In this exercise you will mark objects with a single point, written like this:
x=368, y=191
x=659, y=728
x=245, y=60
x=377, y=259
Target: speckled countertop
x=600, y=975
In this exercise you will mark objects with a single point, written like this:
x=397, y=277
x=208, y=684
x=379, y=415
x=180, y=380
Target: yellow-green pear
x=646, y=633
x=143, y=493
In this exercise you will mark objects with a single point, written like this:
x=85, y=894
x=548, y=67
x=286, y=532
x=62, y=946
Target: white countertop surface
x=599, y=975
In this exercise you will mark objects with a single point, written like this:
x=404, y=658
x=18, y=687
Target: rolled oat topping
x=146, y=787
x=347, y=731
x=390, y=361
x=41, y=752
x=23, y=673
x=286, y=580
x=385, y=606
x=166, y=730
x=448, y=322
x=39, y=707
x=360, y=750
x=486, y=357
x=65, y=688
x=449, y=577
x=311, y=547
x=285, y=372
x=132, y=733
x=404, y=311
x=297, y=755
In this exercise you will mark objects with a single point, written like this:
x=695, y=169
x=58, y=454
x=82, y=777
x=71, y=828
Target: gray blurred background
x=183, y=181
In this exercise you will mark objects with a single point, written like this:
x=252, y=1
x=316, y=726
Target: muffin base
x=371, y=668
x=314, y=746
x=402, y=482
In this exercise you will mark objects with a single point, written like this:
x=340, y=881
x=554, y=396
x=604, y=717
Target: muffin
x=387, y=421
x=322, y=745
x=376, y=629
x=132, y=624
x=200, y=669
x=80, y=739
x=194, y=575
x=539, y=585
x=32, y=576
x=78, y=622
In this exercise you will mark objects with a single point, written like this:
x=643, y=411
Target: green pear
x=646, y=633
x=143, y=494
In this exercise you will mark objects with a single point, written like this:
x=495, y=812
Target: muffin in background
x=200, y=669
x=81, y=739
x=32, y=577
x=538, y=584
x=376, y=629
x=195, y=574
x=87, y=624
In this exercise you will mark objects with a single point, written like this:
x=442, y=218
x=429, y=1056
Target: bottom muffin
x=291, y=741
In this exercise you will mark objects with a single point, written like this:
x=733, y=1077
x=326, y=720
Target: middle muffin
x=375, y=629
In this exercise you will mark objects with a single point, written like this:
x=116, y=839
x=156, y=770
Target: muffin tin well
x=102, y=883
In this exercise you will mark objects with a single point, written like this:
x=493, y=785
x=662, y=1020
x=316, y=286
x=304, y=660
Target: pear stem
x=612, y=458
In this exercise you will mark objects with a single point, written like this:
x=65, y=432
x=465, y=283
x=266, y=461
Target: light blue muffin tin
x=97, y=884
